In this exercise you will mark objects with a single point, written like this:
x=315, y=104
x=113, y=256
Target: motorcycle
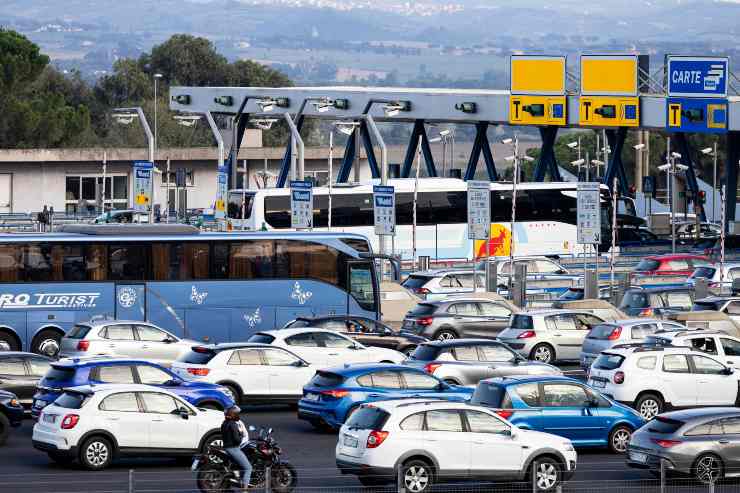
x=217, y=472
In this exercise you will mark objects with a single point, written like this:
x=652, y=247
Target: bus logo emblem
x=127, y=297
x=196, y=297
x=299, y=294
x=253, y=319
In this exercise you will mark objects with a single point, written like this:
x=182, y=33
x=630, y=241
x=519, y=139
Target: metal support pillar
x=240, y=125
x=730, y=181
x=547, y=161
x=349, y=157
x=684, y=148
x=615, y=166
x=285, y=164
x=369, y=151
x=418, y=132
x=480, y=144
x=351, y=154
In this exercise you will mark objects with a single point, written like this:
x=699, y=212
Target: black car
x=364, y=330
x=20, y=374
x=11, y=414
x=458, y=317
x=656, y=301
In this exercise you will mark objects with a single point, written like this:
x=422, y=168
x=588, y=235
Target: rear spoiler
x=76, y=390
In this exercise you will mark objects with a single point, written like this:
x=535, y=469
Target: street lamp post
x=125, y=116
x=156, y=79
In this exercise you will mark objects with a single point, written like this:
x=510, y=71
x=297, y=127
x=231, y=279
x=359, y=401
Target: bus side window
x=10, y=263
x=96, y=262
x=220, y=265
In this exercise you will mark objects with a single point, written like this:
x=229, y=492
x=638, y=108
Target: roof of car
x=413, y=404
x=283, y=333
x=94, y=361
x=108, y=387
x=440, y=272
x=713, y=299
x=462, y=342
x=701, y=412
x=554, y=311
x=676, y=256
x=518, y=379
x=110, y=321
x=656, y=289
x=351, y=370
x=232, y=345
x=674, y=334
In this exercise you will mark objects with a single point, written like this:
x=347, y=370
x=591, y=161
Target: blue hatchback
x=335, y=393
x=76, y=372
x=561, y=406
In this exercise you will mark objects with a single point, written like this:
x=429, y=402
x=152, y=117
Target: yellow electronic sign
x=537, y=74
x=612, y=75
x=537, y=110
x=674, y=115
x=609, y=111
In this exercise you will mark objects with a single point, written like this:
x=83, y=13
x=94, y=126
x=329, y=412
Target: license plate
x=50, y=418
x=638, y=457
x=312, y=397
x=351, y=442
x=598, y=383
x=196, y=462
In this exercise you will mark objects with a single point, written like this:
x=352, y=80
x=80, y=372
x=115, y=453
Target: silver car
x=123, y=338
x=703, y=443
x=468, y=361
x=549, y=335
x=607, y=335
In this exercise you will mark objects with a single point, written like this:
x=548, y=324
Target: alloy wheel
x=445, y=336
x=96, y=454
x=708, y=469
x=620, y=440
x=416, y=478
x=543, y=354
x=547, y=476
x=49, y=347
x=649, y=408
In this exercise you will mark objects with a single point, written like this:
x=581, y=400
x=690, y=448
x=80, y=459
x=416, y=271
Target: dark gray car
x=468, y=361
x=702, y=443
x=457, y=318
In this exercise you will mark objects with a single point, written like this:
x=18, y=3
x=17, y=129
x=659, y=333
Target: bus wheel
x=8, y=342
x=47, y=343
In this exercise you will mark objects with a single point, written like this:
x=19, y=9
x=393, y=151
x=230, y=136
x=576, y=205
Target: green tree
x=187, y=60
x=21, y=62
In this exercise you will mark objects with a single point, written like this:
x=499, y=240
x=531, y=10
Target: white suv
x=96, y=424
x=429, y=441
x=653, y=379
x=714, y=343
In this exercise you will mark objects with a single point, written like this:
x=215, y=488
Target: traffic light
x=702, y=196
x=607, y=111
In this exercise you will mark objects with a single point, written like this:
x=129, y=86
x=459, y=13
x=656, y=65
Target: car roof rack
x=426, y=401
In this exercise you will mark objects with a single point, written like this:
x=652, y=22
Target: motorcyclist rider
x=235, y=436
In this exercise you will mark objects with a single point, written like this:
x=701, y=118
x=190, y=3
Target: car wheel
x=649, y=406
x=445, y=335
x=546, y=474
x=96, y=453
x=61, y=459
x=4, y=428
x=417, y=476
x=619, y=438
x=47, y=343
x=708, y=469
x=544, y=353
x=214, y=440
x=8, y=342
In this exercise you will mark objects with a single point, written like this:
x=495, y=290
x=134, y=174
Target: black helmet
x=232, y=412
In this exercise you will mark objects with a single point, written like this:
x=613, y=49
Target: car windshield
x=523, y=322
x=488, y=394
x=634, y=299
x=56, y=375
x=71, y=400
x=607, y=361
x=78, y=332
x=425, y=352
x=705, y=272
x=261, y=338
x=421, y=310
x=647, y=264
x=197, y=356
x=664, y=426
x=601, y=332
x=326, y=379
x=368, y=418
x=415, y=282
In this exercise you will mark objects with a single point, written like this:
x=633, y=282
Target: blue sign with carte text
x=697, y=76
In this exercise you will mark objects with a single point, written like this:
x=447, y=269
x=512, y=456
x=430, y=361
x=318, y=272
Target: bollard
x=711, y=486
x=492, y=276
x=131, y=488
x=424, y=262
x=268, y=479
x=399, y=481
x=534, y=477
x=559, y=488
x=662, y=476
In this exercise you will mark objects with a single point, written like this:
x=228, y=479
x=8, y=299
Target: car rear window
x=523, y=322
x=368, y=418
x=197, y=356
x=326, y=379
x=664, y=425
x=607, y=361
x=71, y=400
x=422, y=309
x=705, y=305
x=78, y=332
x=634, y=299
x=56, y=375
x=262, y=338
x=572, y=294
x=488, y=394
x=425, y=352
x=601, y=332
x=647, y=264
x=415, y=282
x=705, y=272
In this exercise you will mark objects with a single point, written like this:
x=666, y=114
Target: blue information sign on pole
x=690, y=76
x=219, y=211
x=143, y=185
x=301, y=204
x=384, y=210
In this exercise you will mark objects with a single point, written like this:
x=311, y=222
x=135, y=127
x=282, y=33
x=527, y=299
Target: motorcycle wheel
x=212, y=481
x=284, y=478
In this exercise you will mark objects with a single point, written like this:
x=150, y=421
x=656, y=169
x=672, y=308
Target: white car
x=123, y=338
x=714, y=343
x=427, y=441
x=250, y=372
x=652, y=379
x=94, y=425
x=325, y=348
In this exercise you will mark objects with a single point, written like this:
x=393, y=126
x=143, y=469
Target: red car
x=670, y=265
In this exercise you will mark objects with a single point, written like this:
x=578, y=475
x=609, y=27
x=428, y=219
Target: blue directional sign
x=384, y=210
x=698, y=115
x=697, y=76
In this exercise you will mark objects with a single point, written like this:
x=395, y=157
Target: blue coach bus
x=206, y=286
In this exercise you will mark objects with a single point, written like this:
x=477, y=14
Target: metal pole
x=383, y=177
x=513, y=212
x=105, y=169
x=297, y=174
x=131, y=481
x=588, y=177
x=606, y=153
x=167, y=217
x=614, y=240
x=331, y=171
x=150, y=141
x=244, y=196
x=452, y=149
x=444, y=156
x=714, y=188
x=416, y=197
x=670, y=184
x=268, y=479
x=662, y=475
x=723, y=198
x=155, y=112
x=358, y=153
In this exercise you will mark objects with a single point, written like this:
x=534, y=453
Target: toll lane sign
x=301, y=204
x=143, y=185
x=479, y=209
x=589, y=213
x=384, y=200
x=697, y=76
x=702, y=115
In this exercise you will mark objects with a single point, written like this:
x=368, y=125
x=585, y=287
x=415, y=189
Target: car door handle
x=113, y=419
x=333, y=354
x=479, y=443
x=558, y=335
x=157, y=420
x=375, y=395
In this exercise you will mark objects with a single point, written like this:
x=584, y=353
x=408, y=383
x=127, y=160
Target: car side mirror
x=173, y=383
x=183, y=412
x=728, y=371
x=561, y=271
x=299, y=364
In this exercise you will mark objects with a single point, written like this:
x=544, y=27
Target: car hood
x=541, y=439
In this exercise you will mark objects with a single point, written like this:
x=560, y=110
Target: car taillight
x=619, y=377
x=647, y=312
x=425, y=321
x=199, y=372
x=527, y=334
x=714, y=285
x=83, y=345
x=665, y=443
x=431, y=367
x=505, y=414
x=422, y=291
x=616, y=332
x=337, y=394
x=70, y=421
x=375, y=438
